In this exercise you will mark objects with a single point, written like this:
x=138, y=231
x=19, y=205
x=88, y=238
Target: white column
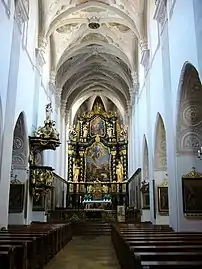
x=62, y=151
x=7, y=140
x=62, y=134
x=57, y=93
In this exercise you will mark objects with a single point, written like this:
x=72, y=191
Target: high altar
x=97, y=164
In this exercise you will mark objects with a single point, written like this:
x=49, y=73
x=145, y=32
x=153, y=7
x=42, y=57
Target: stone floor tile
x=86, y=252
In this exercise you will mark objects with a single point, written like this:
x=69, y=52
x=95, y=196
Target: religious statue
x=85, y=131
x=72, y=134
x=49, y=110
x=76, y=171
x=124, y=133
x=119, y=172
x=109, y=130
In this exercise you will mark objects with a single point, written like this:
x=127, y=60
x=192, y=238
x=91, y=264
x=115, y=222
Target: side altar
x=97, y=162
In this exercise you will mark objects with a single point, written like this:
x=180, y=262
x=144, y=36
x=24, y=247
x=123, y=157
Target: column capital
x=160, y=14
x=40, y=60
x=42, y=43
x=22, y=12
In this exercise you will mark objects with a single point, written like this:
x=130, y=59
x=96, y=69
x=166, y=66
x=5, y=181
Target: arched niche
x=160, y=158
x=20, y=145
x=145, y=184
x=145, y=171
x=188, y=139
x=19, y=202
x=189, y=117
x=161, y=205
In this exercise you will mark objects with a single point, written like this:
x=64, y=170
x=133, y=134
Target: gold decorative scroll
x=193, y=174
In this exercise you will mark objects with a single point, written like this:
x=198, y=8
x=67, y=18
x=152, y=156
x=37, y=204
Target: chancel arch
x=145, y=170
x=160, y=174
x=19, y=173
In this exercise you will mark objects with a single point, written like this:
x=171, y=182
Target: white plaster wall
x=182, y=45
x=6, y=31
x=145, y=215
x=197, y=4
x=177, y=44
x=26, y=86
x=39, y=216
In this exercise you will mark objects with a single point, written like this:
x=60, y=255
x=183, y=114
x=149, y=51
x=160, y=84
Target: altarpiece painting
x=98, y=163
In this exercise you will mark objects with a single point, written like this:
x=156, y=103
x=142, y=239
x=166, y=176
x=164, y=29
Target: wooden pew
x=147, y=248
x=30, y=247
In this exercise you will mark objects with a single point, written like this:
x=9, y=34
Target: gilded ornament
x=119, y=172
x=164, y=183
x=113, y=153
x=193, y=174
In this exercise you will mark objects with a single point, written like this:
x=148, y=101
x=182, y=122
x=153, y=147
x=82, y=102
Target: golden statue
x=109, y=130
x=76, y=172
x=124, y=133
x=119, y=172
x=85, y=131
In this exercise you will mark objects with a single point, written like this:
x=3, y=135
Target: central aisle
x=86, y=252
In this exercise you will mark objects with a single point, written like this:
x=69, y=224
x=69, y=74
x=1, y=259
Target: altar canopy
x=97, y=149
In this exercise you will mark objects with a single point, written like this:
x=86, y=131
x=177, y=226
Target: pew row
x=31, y=247
x=141, y=248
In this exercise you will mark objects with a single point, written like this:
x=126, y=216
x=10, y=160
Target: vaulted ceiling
x=93, y=46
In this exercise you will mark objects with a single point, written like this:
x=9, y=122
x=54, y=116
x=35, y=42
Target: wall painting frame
x=191, y=193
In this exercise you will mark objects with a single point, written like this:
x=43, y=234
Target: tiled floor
x=86, y=252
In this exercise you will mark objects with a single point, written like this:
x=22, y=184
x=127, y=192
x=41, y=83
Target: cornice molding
x=145, y=58
x=7, y=5
x=22, y=11
x=160, y=14
x=40, y=60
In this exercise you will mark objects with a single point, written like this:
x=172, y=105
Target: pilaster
x=7, y=139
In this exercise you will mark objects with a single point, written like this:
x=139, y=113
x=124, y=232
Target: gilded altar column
x=113, y=165
x=70, y=163
x=82, y=166
x=62, y=135
x=66, y=144
x=80, y=130
x=114, y=127
x=123, y=155
x=58, y=93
